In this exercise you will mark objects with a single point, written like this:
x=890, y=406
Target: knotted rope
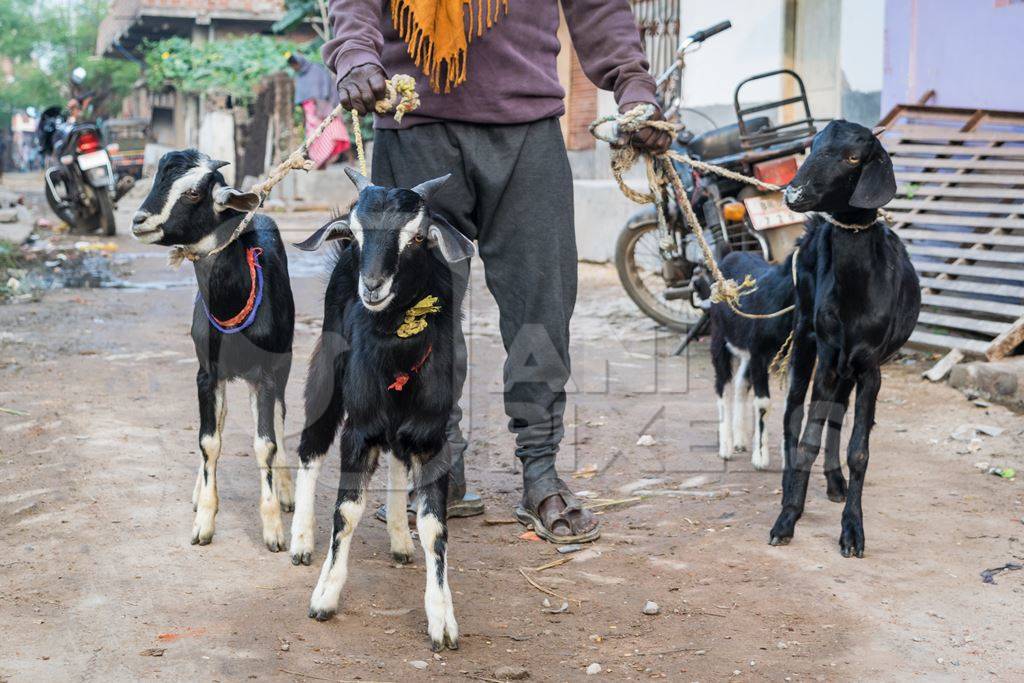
x=661, y=172
x=401, y=98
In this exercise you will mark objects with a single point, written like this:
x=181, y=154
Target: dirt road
x=98, y=580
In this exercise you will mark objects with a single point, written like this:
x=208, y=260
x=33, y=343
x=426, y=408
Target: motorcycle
x=81, y=186
x=663, y=271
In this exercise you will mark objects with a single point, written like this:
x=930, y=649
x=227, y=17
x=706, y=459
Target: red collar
x=251, y=256
x=402, y=378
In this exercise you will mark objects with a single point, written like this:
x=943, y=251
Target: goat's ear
x=335, y=230
x=877, y=184
x=453, y=244
x=235, y=199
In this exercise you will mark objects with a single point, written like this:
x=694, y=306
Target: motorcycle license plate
x=769, y=211
x=93, y=160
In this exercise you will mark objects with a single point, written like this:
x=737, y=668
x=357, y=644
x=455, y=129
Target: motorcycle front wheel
x=638, y=260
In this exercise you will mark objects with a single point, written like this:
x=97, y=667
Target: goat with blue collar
x=383, y=372
x=857, y=301
x=242, y=321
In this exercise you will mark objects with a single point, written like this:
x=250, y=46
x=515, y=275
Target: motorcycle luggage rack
x=771, y=137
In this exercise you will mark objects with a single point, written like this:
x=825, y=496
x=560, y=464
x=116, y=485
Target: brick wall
x=581, y=108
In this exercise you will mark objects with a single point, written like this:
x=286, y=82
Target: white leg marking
x=740, y=406
x=724, y=427
x=437, y=599
x=205, y=493
x=398, y=520
x=197, y=488
x=303, y=521
x=759, y=457
x=270, y=506
x=282, y=466
x=324, y=602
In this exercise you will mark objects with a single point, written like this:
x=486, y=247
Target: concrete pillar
x=811, y=40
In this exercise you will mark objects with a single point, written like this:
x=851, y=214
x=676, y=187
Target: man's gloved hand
x=362, y=87
x=649, y=139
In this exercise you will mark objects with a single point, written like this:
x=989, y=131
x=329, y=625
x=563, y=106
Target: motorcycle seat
x=724, y=141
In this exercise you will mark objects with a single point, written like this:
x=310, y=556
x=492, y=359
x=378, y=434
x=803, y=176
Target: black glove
x=362, y=87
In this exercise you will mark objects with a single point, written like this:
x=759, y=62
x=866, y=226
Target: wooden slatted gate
x=960, y=211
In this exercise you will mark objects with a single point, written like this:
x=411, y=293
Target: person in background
x=315, y=93
x=486, y=72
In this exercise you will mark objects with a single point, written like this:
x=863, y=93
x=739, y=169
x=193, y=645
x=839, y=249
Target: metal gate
x=658, y=21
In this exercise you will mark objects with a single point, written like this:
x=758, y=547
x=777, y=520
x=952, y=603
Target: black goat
x=242, y=321
x=755, y=342
x=384, y=364
x=857, y=301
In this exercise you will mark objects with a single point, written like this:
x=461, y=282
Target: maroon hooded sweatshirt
x=511, y=74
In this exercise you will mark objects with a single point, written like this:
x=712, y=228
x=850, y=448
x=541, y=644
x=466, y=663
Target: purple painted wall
x=971, y=52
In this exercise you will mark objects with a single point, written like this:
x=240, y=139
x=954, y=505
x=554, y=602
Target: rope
x=401, y=98
x=661, y=172
x=780, y=362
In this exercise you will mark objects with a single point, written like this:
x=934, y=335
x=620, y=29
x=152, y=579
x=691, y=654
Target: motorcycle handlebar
x=701, y=36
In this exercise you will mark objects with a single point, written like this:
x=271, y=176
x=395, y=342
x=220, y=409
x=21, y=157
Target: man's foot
x=470, y=505
x=557, y=515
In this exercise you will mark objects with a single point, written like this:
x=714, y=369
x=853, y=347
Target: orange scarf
x=435, y=32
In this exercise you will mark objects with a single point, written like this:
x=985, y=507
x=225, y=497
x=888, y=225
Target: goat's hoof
x=302, y=558
x=273, y=536
x=851, y=541
x=287, y=507
x=447, y=641
x=836, y=489
x=739, y=448
x=201, y=537
x=780, y=540
x=401, y=558
x=725, y=454
x=320, y=614
x=760, y=460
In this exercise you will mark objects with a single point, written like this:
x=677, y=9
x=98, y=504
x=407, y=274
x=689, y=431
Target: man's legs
x=527, y=241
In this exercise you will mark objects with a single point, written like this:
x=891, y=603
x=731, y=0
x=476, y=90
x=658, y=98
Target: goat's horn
x=358, y=179
x=214, y=164
x=428, y=188
x=877, y=130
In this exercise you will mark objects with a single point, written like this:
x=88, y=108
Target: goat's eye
x=418, y=238
x=192, y=195
x=853, y=159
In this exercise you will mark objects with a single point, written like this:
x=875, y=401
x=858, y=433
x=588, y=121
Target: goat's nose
x=140, y=217
x=373, y=282
x=793, y=193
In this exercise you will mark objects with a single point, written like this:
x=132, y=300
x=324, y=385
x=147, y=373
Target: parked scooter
x=662, y=273
x=81, y=186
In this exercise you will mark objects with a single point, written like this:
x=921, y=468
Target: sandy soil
x=98, y=576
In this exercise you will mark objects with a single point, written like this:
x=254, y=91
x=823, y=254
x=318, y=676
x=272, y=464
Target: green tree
x=43, y=42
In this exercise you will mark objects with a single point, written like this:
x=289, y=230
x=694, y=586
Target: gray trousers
x=511, y=191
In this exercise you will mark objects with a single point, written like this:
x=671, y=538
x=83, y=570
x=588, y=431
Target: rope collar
x=852, y=227
x=402, y=378
x=247, y=316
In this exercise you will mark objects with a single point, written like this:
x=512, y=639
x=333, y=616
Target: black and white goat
x=857, y=301
x=242, y=321
x=383, y=371
x=754, y=342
